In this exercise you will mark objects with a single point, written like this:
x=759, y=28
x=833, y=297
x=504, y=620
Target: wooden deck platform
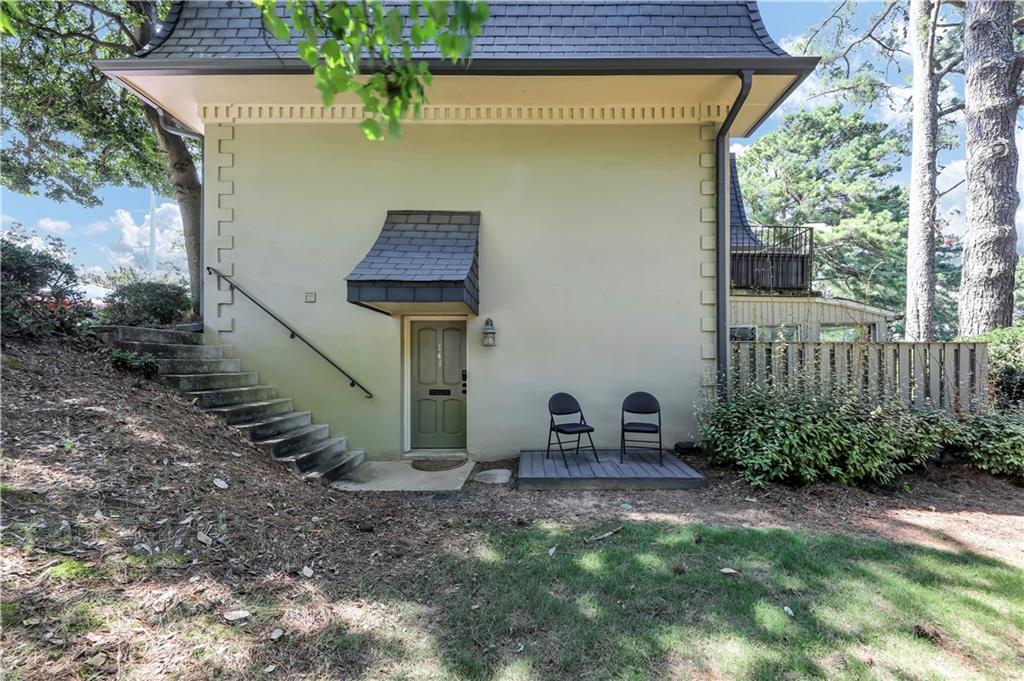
x=639, y=470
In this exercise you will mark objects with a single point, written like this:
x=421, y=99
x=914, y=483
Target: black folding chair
x=564, y=404
x=643, y=404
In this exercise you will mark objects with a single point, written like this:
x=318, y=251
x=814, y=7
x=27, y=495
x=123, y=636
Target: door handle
x=438, y=391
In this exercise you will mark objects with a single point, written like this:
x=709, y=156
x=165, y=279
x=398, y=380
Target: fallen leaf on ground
x=276, y=634
x=220, y=483
x=788, y=610
x=97, y=660
x=551, y=551
x=236, y=615
x=307, y=571
x=204, y=538
x=729, y=571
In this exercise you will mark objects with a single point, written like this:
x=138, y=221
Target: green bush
x=146, y=303
x=992, y=441
x=774, y=435
x=135, y=363
x=39, y=293
x=1006, y=364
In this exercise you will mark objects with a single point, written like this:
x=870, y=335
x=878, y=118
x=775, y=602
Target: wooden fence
x=948, y=376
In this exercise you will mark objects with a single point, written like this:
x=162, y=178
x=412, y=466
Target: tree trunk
x=992, y=70
x=922, y=223
x=184, y=179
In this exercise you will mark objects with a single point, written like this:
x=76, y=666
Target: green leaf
x=371, y=130
x=308, y=52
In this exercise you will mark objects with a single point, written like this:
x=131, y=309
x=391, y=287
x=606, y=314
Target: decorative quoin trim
x=634, y=114
x=705, y=232
x=219, y=248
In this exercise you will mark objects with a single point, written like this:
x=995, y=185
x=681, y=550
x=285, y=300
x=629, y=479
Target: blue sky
x=117, y=232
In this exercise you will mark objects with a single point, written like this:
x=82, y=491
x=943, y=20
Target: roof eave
x=575, y=66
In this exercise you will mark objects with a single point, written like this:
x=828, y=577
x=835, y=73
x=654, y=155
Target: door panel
x=438, y=395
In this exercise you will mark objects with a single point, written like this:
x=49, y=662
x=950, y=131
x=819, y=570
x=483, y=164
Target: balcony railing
x=773, y=258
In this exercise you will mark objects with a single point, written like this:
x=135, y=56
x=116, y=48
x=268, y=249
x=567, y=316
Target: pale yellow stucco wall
x=596, y=264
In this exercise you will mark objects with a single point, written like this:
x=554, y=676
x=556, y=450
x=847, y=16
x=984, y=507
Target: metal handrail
x=353, y=383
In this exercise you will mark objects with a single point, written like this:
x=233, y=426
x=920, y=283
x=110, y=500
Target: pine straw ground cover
x=143, y=539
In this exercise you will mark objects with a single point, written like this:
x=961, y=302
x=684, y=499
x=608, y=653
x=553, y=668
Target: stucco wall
x=596, y=264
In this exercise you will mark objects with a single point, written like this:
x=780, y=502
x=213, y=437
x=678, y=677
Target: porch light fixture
x=489, y=333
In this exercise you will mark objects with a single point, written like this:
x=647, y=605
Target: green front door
x=439, y=385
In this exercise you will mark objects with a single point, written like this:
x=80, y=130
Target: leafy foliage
x=39, y=293
x=1006, y=364
x=823, y=165
x=125, y=360
x=774, y=435
x=146, y=303
x=770, y=434
x=992, y=442
x=338, y=39
x=68, y=129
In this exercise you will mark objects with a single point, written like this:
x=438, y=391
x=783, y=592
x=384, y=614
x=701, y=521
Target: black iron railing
x=773, y=258
x=291, y=331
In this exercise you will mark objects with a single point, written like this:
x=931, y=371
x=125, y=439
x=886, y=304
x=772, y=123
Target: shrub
x=126, y=360
x=991, y=441
x=39, y=293
x=146, y=303
x=1006, y=364
x=774, y=435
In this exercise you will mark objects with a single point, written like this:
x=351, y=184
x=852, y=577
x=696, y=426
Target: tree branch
x=950, y=65
x=948, y=190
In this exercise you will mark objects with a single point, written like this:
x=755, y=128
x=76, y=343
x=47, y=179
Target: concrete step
x=138, y=334
x=199, y=366
x=435, y=455
x=335, y=466
x=294, y=440
x=252, y=411
x=222, y=398
x=171, y=350
x=275, y=425
x=308, y=459
x=192, y=382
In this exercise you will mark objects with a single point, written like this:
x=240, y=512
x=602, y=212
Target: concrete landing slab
x=400, y=476
x=494, y=476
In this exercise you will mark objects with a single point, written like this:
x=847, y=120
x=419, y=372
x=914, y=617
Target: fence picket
x=949, y=376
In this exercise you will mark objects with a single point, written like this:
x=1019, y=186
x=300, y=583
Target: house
x=771, y=293
x=567, y=189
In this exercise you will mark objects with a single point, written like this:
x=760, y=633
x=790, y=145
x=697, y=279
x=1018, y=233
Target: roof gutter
x=746, y=77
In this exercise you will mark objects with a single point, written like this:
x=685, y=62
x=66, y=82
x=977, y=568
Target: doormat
x=437, y=464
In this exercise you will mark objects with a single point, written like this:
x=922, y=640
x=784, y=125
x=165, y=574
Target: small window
x=787, y=333
x=842, y=333
x=743, y=333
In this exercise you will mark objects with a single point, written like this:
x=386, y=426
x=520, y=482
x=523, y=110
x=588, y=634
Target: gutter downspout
x=722, y=235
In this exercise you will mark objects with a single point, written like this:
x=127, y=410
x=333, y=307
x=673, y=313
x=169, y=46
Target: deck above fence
x=948, y=376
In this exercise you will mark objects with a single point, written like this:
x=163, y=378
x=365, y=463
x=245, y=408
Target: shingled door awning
x=422, y=260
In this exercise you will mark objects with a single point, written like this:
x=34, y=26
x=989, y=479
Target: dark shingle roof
x=741, y=233
x=582, y=29
x=417, y=255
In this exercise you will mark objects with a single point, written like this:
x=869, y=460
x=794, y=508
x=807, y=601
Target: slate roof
x=417, y=255
x=583, y=29
x=741, y=233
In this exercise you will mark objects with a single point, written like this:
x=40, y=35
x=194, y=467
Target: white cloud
x=54, y=226
x=98, y=227
x=131, y=247
x=738, y=149
x=6, y=219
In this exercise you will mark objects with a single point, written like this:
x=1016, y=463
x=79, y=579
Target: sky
x=116, y=233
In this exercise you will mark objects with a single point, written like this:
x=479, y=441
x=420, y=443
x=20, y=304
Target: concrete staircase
x=219, y=386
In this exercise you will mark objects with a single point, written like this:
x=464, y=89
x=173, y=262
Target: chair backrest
x=641, y=403
x=561, y=404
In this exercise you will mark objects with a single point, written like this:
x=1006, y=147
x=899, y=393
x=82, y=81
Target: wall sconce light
x=489, y=333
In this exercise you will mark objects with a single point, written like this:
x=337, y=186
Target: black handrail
x=353, y=383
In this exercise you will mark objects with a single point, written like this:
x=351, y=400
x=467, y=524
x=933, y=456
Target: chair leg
x=548, y=455
x=661, y=450
x=593, y=449
x=564, y=460
x=622, y=447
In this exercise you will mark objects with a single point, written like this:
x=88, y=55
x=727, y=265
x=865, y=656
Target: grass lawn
x=651, y=602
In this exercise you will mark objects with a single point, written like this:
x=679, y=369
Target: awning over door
x=422, y=261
